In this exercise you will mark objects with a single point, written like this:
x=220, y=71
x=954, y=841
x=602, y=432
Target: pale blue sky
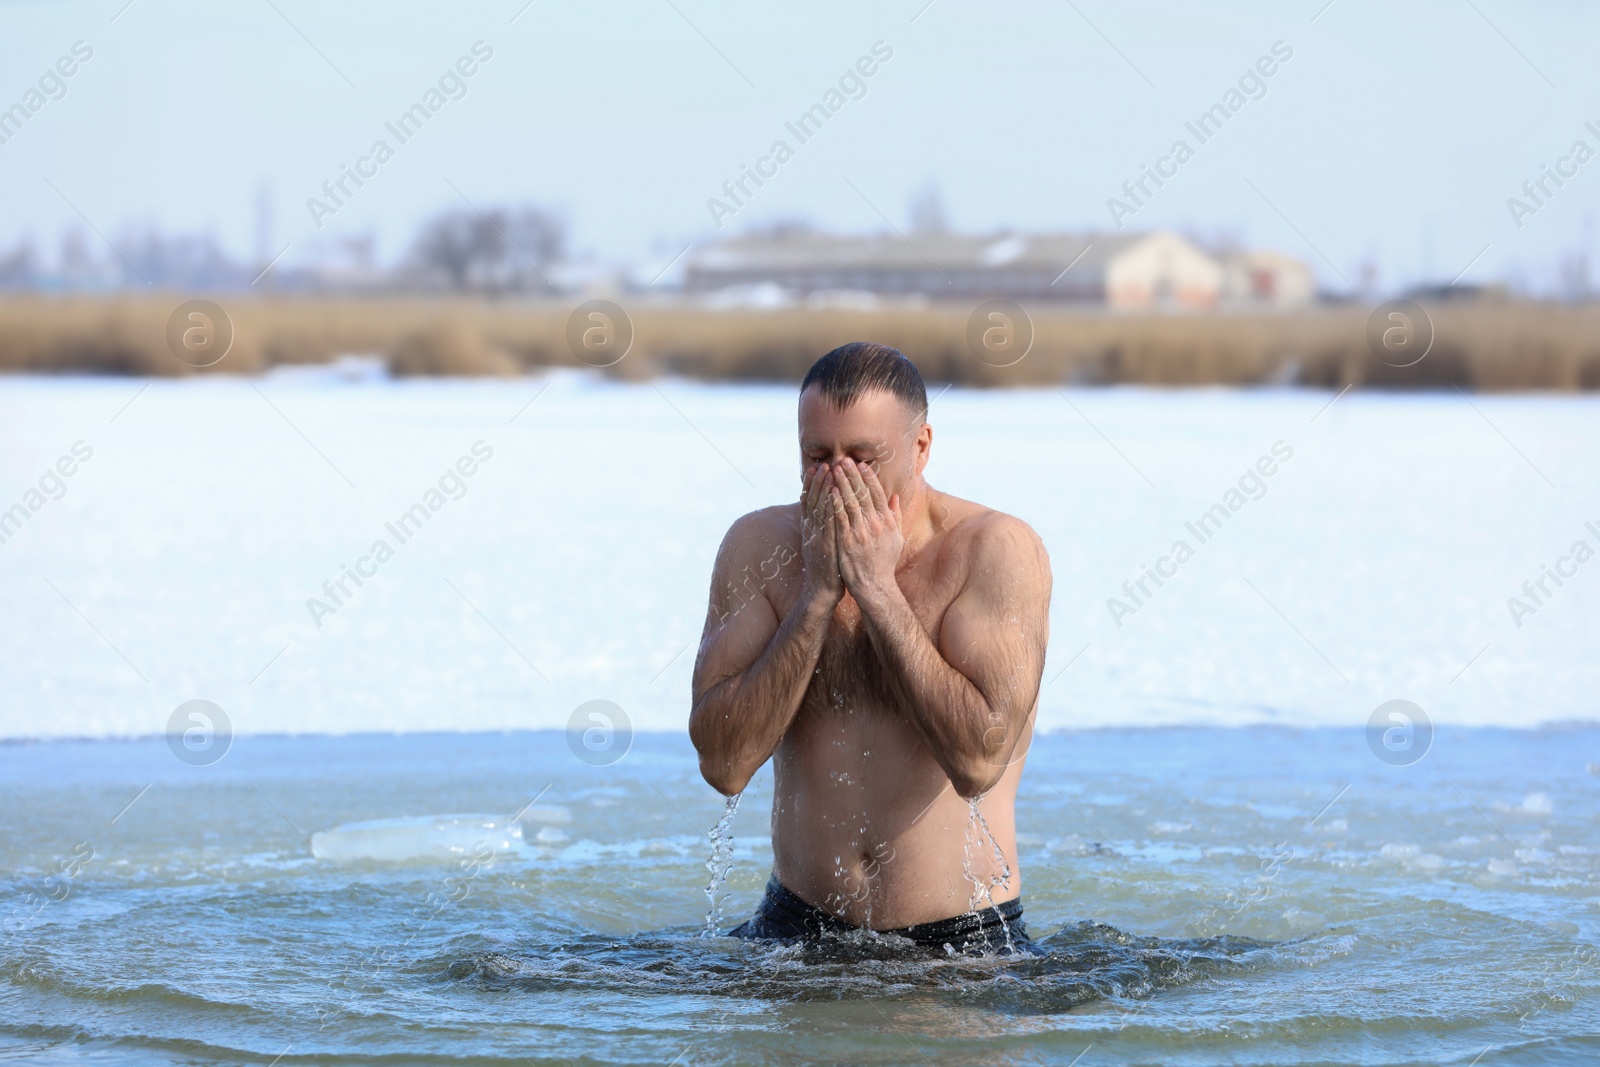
x=1394, y=131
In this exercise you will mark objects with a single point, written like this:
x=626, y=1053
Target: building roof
x=1263, y=257
x=1087, y=253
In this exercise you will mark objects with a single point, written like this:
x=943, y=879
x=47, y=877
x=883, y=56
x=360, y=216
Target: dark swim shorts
x=783, y=916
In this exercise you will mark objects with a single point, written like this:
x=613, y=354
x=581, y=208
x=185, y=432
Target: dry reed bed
x=1485, y=346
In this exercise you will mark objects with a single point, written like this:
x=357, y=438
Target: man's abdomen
x=867, y=827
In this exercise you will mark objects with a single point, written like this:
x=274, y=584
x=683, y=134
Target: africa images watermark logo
x=1400, y=333
x=599, y=333
x=599, y=732
x=199, y=333
x=52, y=485
x=1252, y=485
x=199, y=733
x=1399, y=733
x=452, y=85
x=1538, y=192
x=402, y=528
x=999, y=332
x=1252, y=85
x=1537, y=592
x=52, y=85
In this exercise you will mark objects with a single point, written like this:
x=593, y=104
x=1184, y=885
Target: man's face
x=876, y=431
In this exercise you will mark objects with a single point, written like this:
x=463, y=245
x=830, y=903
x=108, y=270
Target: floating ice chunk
x=1413, y=857
x=1537, y=804
x=419, y=838
x=550, y=836
x=545, y=813
x=1300, y=919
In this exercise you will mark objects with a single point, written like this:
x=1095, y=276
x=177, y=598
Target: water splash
x=720, y=863
x=1080, y=963
x=977, y=832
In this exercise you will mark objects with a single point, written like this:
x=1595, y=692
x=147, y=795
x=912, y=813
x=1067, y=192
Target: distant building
x=1265, y=278
x=1161, y=270
x=1117, y=271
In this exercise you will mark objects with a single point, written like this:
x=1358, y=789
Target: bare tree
x=499, y=250
x=18, y=269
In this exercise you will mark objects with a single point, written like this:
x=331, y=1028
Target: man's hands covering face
x=850, y=530
x=867, y=533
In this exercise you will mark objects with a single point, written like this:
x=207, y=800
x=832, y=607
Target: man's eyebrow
x=854, y=446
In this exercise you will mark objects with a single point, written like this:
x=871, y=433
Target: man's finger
x=858, y=481
x=858, y=487
x=852, y=503
x=816, y=486
x=841, y=516
x=846, y=513
x=880, y=499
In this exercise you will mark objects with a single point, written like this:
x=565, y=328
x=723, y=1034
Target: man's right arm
x=753, y=668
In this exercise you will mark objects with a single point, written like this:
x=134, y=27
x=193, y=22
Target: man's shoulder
x=988, y=540
x=776, y=520
x=763, y=529
x=979, y=528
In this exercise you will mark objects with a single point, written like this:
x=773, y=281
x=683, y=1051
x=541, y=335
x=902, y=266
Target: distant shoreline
x=1483, y=346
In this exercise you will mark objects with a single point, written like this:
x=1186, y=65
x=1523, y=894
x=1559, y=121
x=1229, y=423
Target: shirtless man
x=882, y=642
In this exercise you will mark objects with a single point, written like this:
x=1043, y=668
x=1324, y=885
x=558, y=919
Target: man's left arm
x=971, y=695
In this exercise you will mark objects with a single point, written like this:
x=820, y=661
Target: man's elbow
x=978, y=769
x=722, y=778
x=975, y=778
x=715, y=767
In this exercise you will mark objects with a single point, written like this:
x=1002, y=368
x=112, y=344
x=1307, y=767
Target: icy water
x=1242, y=896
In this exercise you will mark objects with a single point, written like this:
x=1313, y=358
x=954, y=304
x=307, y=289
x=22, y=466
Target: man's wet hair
x=861, y=366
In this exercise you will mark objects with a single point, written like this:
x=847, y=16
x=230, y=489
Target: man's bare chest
x=851, y=669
